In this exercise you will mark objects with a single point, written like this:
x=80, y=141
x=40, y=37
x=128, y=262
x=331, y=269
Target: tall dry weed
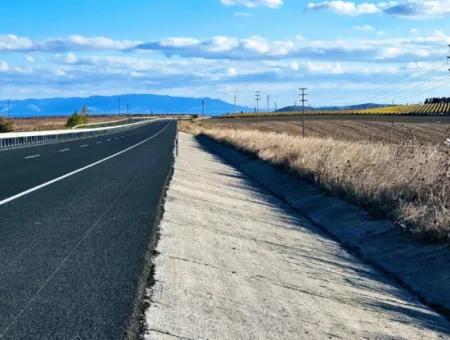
x=407, y=183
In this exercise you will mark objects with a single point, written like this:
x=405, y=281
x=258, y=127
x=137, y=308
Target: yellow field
x=418, y=109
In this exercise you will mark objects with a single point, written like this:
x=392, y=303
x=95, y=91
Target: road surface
x=76, y=219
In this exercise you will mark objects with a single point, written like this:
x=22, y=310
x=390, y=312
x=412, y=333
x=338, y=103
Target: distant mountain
x=137, y=103
x=332, y=108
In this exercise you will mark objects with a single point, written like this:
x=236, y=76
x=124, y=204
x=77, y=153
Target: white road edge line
x=43, y=185
x=32, y=156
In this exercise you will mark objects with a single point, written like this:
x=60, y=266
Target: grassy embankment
x=407, y=183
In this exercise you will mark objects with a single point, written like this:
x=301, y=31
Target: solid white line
x=84, y=146
x=43, y=185
x=33, y=156
x=64, y=150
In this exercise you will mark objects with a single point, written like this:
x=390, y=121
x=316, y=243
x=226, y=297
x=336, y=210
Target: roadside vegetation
x=6, y=125
x=408, y=183
x=78, y=118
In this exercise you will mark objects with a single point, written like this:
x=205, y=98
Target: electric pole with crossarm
x=302, y=94
x=258, y=98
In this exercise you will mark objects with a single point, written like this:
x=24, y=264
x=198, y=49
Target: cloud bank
x=412, y=8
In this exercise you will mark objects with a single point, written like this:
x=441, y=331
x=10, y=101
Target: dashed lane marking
x=32, y=156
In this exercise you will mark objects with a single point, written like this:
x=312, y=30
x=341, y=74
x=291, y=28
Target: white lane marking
x=43, y=185
x=64, y=150
x=32, y=156
x=108, y=140
x=84, y=146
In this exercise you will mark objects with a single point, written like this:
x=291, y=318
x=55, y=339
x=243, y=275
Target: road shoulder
x=235, y=262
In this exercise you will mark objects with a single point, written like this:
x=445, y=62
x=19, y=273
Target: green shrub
x=78, y=118
x=6, y=125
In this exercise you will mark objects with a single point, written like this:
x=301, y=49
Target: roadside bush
x=78, y=118
x=6, y=125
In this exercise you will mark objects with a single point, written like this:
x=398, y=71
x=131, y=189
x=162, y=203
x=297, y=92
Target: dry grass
x=54, y=123
x=409, y=184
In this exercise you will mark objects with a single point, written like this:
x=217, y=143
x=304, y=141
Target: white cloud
x=13, y=43
x=179, y=42
x=404, y=8
x=345, y=7
x=253, y=3
x=4, y=67
x=260, y=48
x=364, y=28
x=71, y=58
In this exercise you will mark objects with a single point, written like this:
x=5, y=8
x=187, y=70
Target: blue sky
x=344, y=51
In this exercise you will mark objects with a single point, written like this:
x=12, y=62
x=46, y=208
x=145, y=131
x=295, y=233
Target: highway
x=76, y=220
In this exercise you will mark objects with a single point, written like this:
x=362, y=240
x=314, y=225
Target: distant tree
x=78, y=118
x=6, y=125
x=84, y=110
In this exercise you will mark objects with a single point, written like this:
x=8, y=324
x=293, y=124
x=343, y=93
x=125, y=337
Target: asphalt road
x=72, y=252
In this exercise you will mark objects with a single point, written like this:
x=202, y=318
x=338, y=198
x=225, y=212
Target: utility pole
x=203, y=107
x=276, y=106
x=303, y=100
x=258, y=98
x=119, y=104
x=268, y=103
x=128, y=109
x=448, y=56
x=234, y=104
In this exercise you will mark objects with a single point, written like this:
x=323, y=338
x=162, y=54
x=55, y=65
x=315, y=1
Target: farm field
x=390, y=129
x=436, y=109
x=54, y=123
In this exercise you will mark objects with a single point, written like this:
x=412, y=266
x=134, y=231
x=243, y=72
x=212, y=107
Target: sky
x=344, y=52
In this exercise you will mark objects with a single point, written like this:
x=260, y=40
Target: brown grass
x=407, y=183
x=54, y=123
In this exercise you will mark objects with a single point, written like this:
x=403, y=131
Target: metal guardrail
x=22, y=139
x=82, y=126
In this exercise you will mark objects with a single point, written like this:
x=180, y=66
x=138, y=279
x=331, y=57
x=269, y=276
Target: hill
x=137, y=103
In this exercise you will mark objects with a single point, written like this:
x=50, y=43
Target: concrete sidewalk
x=234, y=262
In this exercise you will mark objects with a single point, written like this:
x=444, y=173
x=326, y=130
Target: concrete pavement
x=234, y=262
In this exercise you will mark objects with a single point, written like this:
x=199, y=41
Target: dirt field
x=391, y=129
x=53, y=123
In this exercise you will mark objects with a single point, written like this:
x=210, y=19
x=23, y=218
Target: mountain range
x=131, y=103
